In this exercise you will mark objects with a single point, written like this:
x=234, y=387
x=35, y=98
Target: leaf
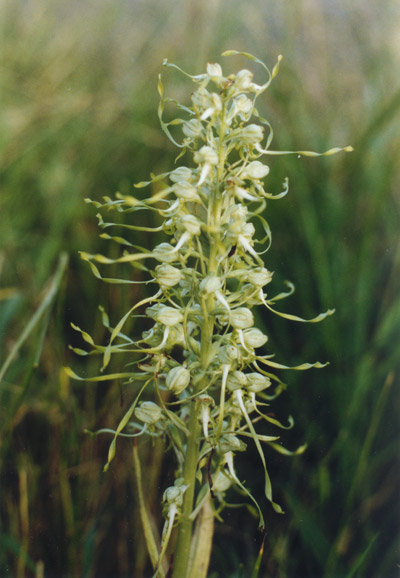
x=43, y=308
x=291, y=317
x=285, y=452
x=124, y=421
x=164, y=125
x=267, y=485
x=360, y=560
x=144, y=514
x=256, y=569
x=310, y=530
x=327, y=153
x=121, y=323
x=271, y=76
x=108, y=377
x=302, y=367
x=202, y=541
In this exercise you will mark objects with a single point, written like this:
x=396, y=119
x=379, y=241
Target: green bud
x=228, y=354
x=236, y=380
x=148, y=412
x=254, y=338
x=259, y=276
x=164, y=314
x=191, y=224
x=164, y=252
x=230, y=443
x=255, y=170
x=206, y=155
x=210, y=284
x=242, y=318
x=251, y=134
x=167, y=275
x=257, y=382
x=177, y=380
x=186, y=191
x=181, y=174
x=192, y=128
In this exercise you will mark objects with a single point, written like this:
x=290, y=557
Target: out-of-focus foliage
x=79, y=119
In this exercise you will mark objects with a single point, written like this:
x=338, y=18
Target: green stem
x=185, y=532
x=182, y=552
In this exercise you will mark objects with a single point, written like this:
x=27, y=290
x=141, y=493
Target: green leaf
x=36, y=318
x=360, y=561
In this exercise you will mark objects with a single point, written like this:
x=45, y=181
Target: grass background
x=79, y=119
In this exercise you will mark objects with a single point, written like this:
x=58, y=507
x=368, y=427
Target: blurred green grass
x=79, y=119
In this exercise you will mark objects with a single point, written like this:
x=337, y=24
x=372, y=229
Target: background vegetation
x=79, y=119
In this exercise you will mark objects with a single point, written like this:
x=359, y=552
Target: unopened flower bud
x=242, y=318
x=186, y=191
x=254, y=338
x=257, y=382
x=206, y=155
x=230, y=443
x=180, y=174
x=214, y=70
x=191, y=224
x=192, y=128
x=228, y=354
x=148, y=412
x=166, y=315
x=167, y=275
x=255, y=170
x=251, y=134
x=178, y=378
x=164, y=252
x=259, y=276
x=210, y=284
x=236, y=380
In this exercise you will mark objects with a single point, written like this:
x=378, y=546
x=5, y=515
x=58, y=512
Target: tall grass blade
x=41, y=311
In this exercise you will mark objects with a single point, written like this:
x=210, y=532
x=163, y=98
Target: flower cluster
x=202, y=361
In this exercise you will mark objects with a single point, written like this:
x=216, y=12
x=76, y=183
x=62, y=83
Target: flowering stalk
x=202, y=362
